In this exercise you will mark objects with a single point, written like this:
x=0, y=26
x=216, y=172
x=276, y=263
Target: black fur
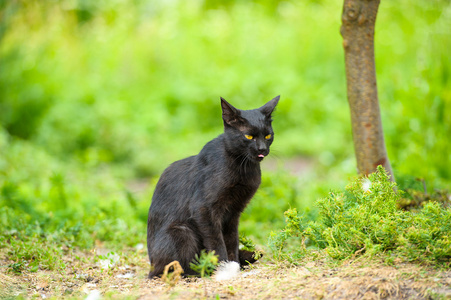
x=198, y=200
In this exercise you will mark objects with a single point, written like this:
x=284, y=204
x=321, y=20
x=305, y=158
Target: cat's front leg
x=231, y=239
x=211, y=232
x=214, y=241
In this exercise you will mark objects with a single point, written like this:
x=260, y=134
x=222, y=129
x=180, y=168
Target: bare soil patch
x=84, y=277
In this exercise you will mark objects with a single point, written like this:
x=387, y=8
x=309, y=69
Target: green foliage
x=97, y=98
x=45, y=214
x=293, y=231
x=246, y=243
x=25, y=254
x=366, y=220
x=126, y=82
x=416, y=194
x=205, y=263
x=277, y=192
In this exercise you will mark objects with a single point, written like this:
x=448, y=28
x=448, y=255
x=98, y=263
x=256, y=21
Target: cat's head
x=249, y=132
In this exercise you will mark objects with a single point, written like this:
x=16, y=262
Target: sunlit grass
x=97, y=98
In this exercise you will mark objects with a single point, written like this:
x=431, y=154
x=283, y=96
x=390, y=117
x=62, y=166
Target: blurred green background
x=98, y=97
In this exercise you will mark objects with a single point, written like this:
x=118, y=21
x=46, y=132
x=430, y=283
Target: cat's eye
x=249, y=137
x=268, y=137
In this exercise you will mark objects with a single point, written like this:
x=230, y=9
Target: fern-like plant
x=205, y=263
x=366, y=219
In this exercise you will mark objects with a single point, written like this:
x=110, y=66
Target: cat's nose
x=261, y=146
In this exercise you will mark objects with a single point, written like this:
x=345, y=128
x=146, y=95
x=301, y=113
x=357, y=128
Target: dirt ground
x=124, y=276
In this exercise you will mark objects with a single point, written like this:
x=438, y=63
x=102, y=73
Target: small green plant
x=248, y=245
x=280, y=242
x=26, y=256
x=365, y=219
x=205, y=263
x=416, y=195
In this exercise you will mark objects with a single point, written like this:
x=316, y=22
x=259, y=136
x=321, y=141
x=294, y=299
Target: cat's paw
x=248, y=257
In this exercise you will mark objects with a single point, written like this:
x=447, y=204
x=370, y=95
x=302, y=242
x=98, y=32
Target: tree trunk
x=358, y=20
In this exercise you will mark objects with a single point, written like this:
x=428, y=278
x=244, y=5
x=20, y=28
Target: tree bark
x=358, y=21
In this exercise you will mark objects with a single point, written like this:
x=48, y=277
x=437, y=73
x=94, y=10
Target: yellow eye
x=249, y=137
x=268, y=137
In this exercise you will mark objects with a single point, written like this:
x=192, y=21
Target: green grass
x=96, y=99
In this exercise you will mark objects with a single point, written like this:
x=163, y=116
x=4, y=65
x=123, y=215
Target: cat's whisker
x=242, y=158
x=244, y=162
x=274, y=155
x=239, y=157
x=274, y=150
x=248, y=159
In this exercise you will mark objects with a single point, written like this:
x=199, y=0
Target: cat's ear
x=230, y=114
x=269, y=107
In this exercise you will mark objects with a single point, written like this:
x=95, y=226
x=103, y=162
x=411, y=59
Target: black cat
x=198, y=200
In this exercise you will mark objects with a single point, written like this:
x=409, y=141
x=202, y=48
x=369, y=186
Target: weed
x=246, y=243
x=171, y=278
x=278, y=242
x=366, y=220
x=27, y=255
x=205, y=263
